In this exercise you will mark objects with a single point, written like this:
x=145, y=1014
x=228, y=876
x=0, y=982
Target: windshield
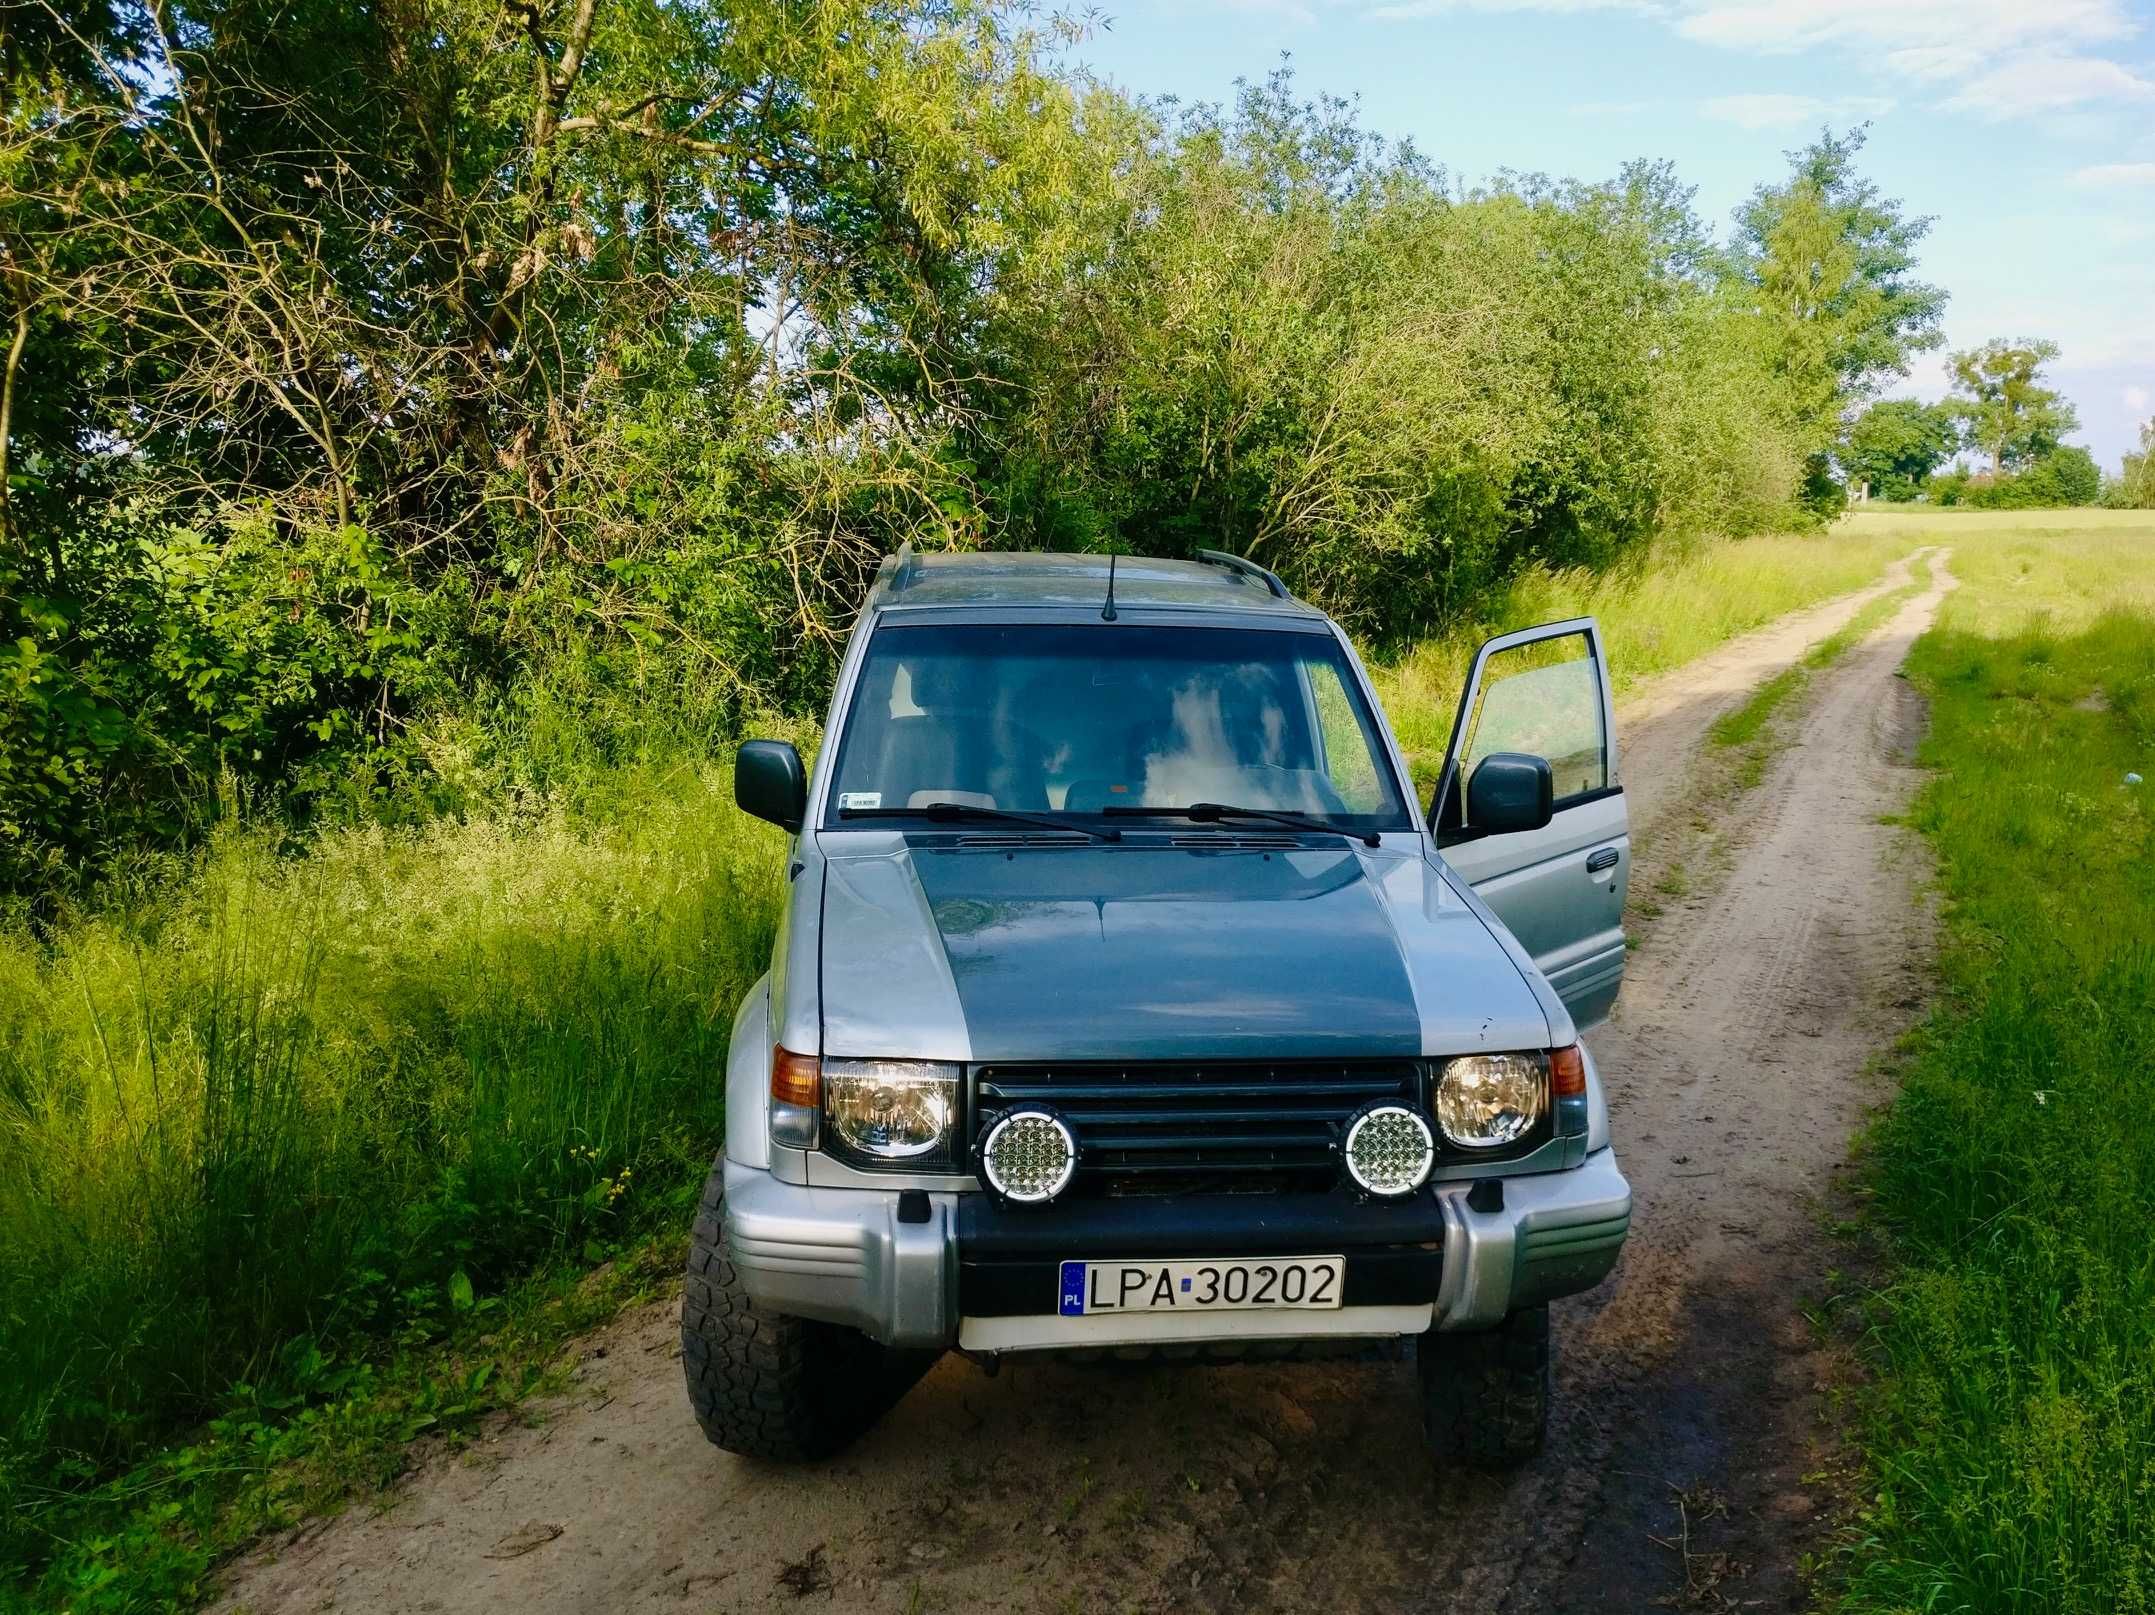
x=1041, y=718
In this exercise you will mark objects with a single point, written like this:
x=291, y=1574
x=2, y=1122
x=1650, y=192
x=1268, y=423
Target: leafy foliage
x=2005, y=412
x=2065, y=476
x=2135, y=486
x=418, y=403
x=1827, y=265
x=1896, y=444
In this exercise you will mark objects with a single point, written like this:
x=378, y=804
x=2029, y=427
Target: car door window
x=1543, y=698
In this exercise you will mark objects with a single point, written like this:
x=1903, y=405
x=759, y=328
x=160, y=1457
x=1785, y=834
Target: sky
x=2027, y=129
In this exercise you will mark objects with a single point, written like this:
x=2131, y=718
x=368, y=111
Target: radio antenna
x=1107, y=609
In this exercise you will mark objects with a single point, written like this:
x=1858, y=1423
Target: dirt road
x=1685, y=1386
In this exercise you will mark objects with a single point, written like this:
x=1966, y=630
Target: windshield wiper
x=946, y=812
x=1217, y=812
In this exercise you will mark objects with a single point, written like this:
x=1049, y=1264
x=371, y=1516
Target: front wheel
x=1485, y=1397
x=770, y=1386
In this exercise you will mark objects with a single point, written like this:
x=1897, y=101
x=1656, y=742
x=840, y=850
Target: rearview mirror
x=1510, y=791
x=769, y=782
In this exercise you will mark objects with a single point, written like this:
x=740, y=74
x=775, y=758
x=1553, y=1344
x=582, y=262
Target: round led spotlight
x=1028, y=1156
x=1389, y=1150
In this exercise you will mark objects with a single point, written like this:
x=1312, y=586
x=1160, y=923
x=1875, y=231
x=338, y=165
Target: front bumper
x=845, y=1256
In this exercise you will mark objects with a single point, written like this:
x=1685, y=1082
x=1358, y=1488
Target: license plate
x=1201, y=1285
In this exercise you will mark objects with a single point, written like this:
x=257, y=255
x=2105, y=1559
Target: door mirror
x=1510, y=791
x=769, y=782
x=1540, y=694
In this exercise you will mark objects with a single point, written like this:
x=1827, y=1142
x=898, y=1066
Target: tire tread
x=769, y=1386
x=1485, y=1397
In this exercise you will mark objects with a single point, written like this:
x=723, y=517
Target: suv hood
x=1171, y=952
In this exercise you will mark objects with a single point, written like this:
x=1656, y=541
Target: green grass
x=326, y=1427
x=2010, y=1431
x=303, y=1149
x=1744, y=725
x=1678, y=605
x=313, y=1109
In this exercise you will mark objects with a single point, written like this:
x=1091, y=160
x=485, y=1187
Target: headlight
x=1029, y=1156
x=891, y=1111
x=1389, y=1151
x=1485, y=1101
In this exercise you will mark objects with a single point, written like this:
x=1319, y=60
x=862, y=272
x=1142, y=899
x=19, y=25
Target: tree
x=1896, y=443
x=2135, y=487
x=356, y=354
x=2004, y=409
x=1827, y=264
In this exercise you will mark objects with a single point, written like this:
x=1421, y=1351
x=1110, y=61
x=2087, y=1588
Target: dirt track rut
x=1686, y=1384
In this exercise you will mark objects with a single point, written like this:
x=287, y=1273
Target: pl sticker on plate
x=1073, y=1290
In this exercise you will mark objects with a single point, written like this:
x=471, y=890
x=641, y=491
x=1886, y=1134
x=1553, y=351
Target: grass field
x=299, y=1115
x=314, y=1145
x=2011, y=1430
x=1744, y=725
x=1680, y=604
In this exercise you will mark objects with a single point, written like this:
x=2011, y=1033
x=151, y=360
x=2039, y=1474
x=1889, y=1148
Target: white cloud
x=1772, y=111
x=1401, y=10
x=2137, y=400
x=1996, y=58
x=1935, y=39
x=2047, y=83
x=2106, y=174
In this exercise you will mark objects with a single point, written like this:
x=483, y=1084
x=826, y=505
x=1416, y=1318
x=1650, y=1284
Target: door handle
x=1596, y=862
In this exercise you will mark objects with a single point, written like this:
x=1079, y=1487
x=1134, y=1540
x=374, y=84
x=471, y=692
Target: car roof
x=992, y=578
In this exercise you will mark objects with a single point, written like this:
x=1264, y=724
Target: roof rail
x=1248, y=567
x=896, y=572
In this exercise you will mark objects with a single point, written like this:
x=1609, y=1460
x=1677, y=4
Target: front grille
x=1187, y=1127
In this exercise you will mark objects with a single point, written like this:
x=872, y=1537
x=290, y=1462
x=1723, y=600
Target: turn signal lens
x=1567, y=1072
x=796, y=1079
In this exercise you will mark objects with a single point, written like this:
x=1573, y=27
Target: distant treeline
x=1998, y=410
x=407, y=401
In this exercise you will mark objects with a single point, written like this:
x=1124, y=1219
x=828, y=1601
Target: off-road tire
x=768, y=1386
x=1485, y=1397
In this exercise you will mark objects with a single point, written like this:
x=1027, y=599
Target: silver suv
x=1125, y=1003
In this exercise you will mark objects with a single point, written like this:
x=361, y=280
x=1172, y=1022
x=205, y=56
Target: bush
x=569, y=480
x=2064, y=477
x=1948, y=488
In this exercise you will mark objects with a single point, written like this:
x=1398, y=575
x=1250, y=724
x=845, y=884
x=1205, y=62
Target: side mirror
x=769, y=782
x=1510, y=792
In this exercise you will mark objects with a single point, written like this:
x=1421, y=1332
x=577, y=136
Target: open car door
x=1560, y=888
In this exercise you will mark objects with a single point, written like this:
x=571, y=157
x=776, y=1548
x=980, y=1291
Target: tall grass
x=301, y=1098
x=1678, y=603
x=2012, y=1433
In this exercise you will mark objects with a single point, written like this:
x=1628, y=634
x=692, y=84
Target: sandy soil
x=1687, y=1384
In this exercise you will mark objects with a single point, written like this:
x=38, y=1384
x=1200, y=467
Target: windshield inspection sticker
x=860, y=799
